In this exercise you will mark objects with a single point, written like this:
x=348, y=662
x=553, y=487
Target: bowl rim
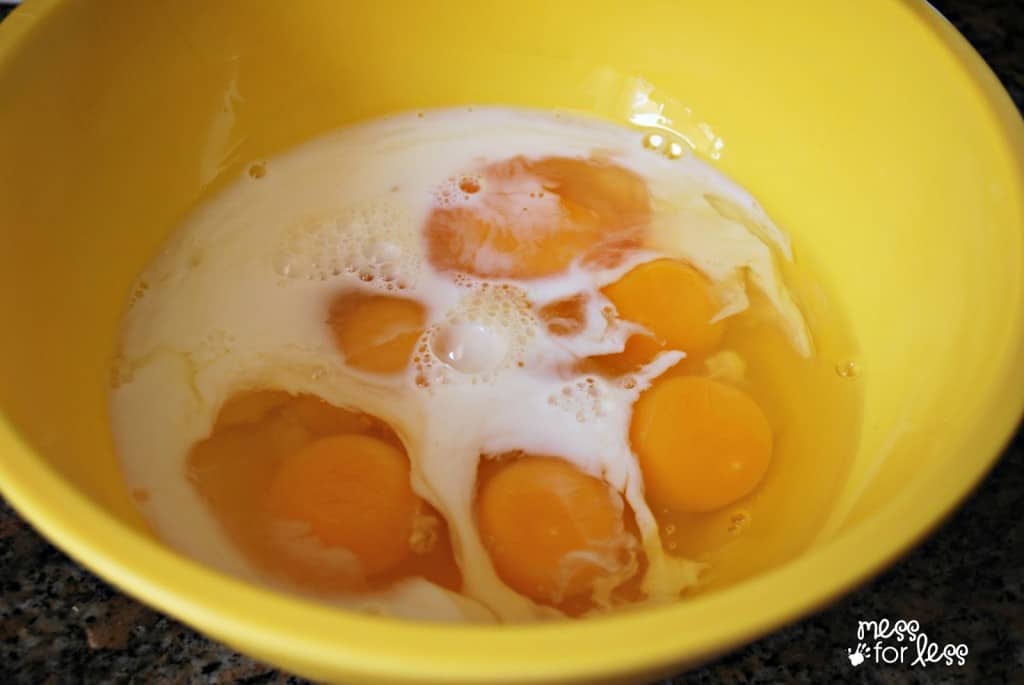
x=323, y=642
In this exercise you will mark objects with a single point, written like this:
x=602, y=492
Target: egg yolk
x=674, y=302
x=256, y=448
x=701, y=444
x=314, y=415
x=528, y=218
x=640, y=349
x=551, y=530
x=565, y=317
x=376, y=333
x=353, y=492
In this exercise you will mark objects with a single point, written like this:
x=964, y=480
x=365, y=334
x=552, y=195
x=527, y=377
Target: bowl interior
x=869, y=131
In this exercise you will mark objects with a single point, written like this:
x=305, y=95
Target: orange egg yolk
x=376, y=333
x=551, y=530
x=526, y=218
x=565, y=317
x=701, y=444
x=674, y=302
x=318, y=495
x=314, y=415
x=353, y=492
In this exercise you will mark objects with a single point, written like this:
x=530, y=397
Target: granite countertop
x=965, y=584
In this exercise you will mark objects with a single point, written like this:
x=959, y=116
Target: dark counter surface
x=965, y=584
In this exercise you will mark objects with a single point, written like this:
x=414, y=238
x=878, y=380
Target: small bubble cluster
x=490, y=312
x=456, y=191
x=430, y=371
x=587, y=398
x=375, y=242
x=659, y=142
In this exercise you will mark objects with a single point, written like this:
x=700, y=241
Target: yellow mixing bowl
x=868, y=128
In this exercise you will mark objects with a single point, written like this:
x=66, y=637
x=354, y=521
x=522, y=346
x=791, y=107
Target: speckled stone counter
x=965, y=584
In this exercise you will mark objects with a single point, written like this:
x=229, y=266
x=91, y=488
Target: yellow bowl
x=869, y=129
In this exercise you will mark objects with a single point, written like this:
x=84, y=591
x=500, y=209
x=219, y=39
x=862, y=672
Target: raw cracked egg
x=468, y=365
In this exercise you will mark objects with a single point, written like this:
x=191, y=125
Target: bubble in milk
x=375, y=242
x=675, y=150
x=654, y=141
x=470, y=346
x=486, y=332
x=500, y=306
x=458, y=190
x=588, y=398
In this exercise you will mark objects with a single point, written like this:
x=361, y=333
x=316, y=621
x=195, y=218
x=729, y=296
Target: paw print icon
x=855, y=656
